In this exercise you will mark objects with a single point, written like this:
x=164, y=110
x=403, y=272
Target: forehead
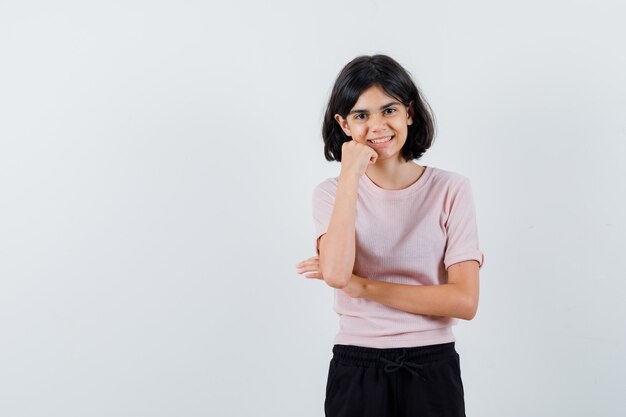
x=373, y=98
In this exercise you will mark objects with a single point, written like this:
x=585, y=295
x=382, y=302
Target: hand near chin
x=311, y=269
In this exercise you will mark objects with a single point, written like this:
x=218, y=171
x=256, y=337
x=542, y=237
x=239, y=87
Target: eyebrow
x=381, y=108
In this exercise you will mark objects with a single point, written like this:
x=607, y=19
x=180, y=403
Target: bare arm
x=458, y=298
x=337, y=245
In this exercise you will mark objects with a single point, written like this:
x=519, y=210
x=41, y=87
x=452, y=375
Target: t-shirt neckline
x=411, y=189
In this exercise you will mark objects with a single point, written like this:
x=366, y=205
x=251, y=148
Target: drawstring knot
x=392, y=366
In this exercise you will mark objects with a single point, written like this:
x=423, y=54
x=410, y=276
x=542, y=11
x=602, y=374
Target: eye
x=357, y=116
x=393, y=110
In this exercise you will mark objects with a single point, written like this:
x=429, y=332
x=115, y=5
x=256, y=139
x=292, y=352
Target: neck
x=394, y=175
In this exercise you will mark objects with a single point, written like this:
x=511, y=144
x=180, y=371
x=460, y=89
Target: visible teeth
x=388, y=138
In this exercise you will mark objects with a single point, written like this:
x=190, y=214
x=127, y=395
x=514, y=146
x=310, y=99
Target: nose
x=377, y=122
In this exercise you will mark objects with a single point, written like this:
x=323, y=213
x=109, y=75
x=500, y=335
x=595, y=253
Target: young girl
x=398, y=242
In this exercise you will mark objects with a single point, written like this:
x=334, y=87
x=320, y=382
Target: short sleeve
x=461, y=227
x=323, y=203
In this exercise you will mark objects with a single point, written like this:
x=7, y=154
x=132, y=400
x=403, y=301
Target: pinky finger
x=317, y=275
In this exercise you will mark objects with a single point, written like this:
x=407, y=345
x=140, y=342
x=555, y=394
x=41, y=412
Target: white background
x=156, y=168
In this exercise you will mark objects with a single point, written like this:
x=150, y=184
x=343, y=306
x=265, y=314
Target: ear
x=344, y=124
x=409, y=114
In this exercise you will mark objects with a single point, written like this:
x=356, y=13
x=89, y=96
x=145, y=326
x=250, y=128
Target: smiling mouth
x=382, y=140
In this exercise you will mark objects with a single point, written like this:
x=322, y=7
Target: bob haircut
x=362, y=73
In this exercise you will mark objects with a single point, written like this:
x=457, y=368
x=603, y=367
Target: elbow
x=471, y=307
x=469, y=315
x=338, y=283
x=466, y=303
x=336, y=280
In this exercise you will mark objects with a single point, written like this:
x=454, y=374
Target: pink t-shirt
x=408, y=236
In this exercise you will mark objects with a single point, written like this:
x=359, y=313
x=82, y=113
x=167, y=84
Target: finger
x=309, y=262
x=305, y=261
x=308, y=268
x=312, y=271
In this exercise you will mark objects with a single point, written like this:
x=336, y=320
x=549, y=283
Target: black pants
x=417, y=381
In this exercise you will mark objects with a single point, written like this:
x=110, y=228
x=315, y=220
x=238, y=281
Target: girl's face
x=376, y=115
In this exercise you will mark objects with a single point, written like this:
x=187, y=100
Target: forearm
x=446, y=300
x=338, y=254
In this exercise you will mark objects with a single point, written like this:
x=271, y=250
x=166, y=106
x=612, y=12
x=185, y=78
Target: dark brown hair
x=362, y=73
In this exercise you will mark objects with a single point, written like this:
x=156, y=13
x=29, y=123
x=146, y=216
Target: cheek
x=359, y=132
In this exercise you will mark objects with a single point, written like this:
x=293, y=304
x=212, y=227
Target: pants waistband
x=391, y=359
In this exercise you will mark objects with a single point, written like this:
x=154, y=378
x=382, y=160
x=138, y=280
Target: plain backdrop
x=157, y=162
